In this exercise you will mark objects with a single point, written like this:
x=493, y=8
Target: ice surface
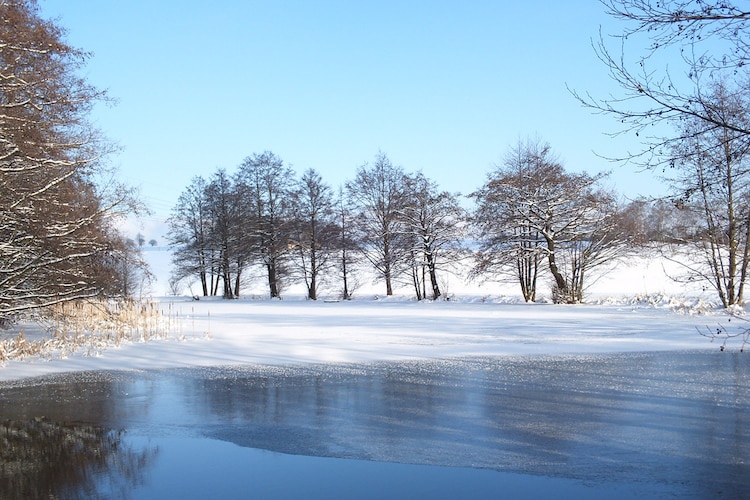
x=651, y=423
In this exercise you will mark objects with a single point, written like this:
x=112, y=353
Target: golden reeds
x=93, y=326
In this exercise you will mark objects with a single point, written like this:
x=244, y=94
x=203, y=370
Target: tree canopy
x=57, y=237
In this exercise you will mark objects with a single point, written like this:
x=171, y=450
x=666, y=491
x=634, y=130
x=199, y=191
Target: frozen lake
x=662, y=424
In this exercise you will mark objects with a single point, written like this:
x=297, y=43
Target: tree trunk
x=312, y=289
x=562, y=286
x=345, y=276
x=387, y=266
x=202, y=273
x=433, y=276
x=415, y=279
x=312, y=294
x=204, y=283
x=527, y=274
x=745, y=260
x=227, y=280
x=387, y=276
x=237, y=281
x=272, y=283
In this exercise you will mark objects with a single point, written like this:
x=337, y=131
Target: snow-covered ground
x=635, y=307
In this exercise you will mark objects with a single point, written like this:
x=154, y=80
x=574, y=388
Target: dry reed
x=93, y=326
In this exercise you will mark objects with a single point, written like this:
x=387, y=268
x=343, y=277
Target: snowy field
x=634, y=308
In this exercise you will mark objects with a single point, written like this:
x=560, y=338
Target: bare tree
x=510, y=240
x=222, y=200
x=265, y=184
x=56, y=220
x=594, y=243
x=190, y=233
x=434, y=221
x=315, y=233
x=377, y=193
x=711, y=179
x=533, y=208
x=705, y=133
x=346, y=246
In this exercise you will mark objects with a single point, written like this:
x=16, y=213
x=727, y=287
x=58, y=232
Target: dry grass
x=93, y=326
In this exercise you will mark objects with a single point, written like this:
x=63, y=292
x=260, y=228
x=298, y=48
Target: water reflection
x=663, y=423
x=44, y=459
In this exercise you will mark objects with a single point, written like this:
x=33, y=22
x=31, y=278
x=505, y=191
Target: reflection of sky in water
x=206, y=468
x=644, y=423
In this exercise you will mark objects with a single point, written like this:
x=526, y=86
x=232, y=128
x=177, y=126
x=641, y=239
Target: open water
x=659, y=425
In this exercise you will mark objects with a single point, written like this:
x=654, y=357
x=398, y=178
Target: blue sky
x=439, y=86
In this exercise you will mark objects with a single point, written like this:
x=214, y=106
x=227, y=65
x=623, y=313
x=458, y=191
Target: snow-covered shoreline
x=221, y=333
x=634, y=308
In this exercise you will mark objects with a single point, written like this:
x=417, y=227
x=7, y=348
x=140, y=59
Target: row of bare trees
x=299, y=229
x=58, y=240
x=530, y=212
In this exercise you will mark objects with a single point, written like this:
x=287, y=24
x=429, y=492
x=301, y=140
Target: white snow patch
x=634, y=308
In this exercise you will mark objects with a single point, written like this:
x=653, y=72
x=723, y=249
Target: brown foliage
x=55, y=230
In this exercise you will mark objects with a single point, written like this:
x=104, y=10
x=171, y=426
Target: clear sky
x=439, y=86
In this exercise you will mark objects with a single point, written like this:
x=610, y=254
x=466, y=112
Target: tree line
x=531, y=219
x=300, y=229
